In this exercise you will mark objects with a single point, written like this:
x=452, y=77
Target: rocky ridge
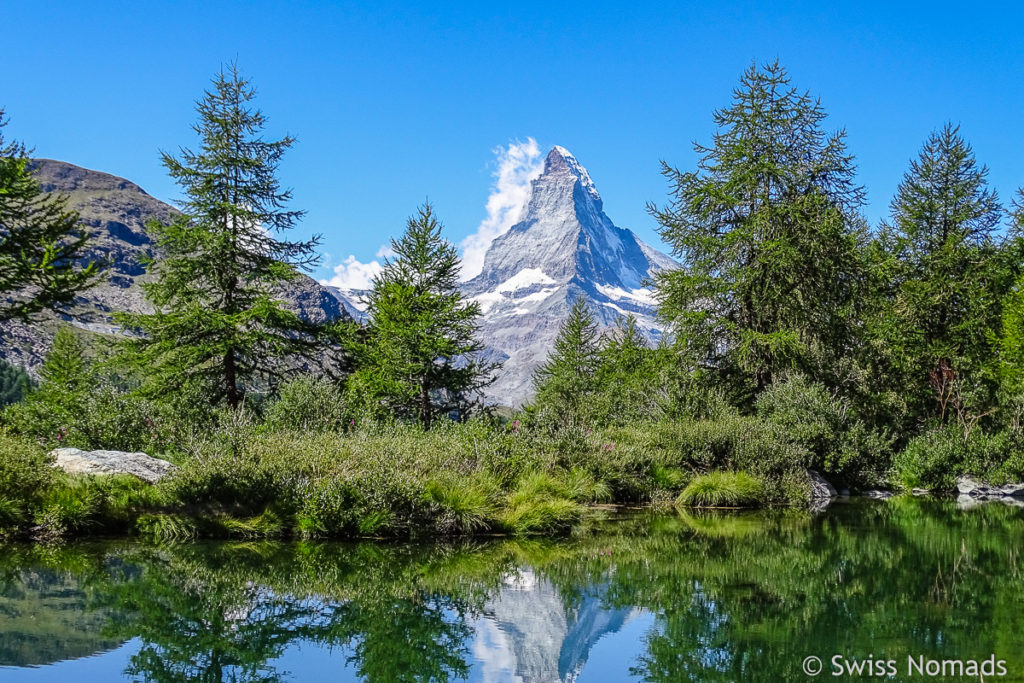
x=115, y=212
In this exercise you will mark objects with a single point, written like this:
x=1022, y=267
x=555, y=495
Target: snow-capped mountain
x=527, y=633
x=564, y=247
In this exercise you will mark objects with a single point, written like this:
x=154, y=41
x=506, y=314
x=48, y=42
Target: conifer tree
x=626, y=375
x=418, y=358
x=65, y=367
x=947, y=271
x=217, y=322
x=768, y=234
x=568, y=378
x=15, y=383
x=41, y=244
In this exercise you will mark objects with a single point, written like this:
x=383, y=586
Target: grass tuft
x=722, y=489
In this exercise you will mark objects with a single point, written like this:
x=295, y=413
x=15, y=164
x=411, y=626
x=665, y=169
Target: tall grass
x=722, y=489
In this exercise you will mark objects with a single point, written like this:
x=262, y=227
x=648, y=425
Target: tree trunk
x=425, y=416
x=232, y=395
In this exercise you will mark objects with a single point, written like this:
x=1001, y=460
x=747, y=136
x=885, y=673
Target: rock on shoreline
x=974, y=492
x=140, y=465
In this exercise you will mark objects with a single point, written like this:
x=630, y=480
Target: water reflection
x=662, y=597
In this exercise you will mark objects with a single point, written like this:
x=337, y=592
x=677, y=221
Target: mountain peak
x=563, y=247
x=560, y=161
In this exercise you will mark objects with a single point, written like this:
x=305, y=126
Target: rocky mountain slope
x=115, y=212
x=564, y=247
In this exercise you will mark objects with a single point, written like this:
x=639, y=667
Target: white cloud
x=353, y=274
x=518, y=164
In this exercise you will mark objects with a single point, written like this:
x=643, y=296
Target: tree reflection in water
x=733, y=597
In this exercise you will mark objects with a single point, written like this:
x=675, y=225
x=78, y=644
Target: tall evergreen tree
x=567, y=380
x=15, y=383
x=946, y=271
x=767, y=232
x=217, y=321
x=418, y=357
x=627, y=375
x=65, y=367
x=41, y=243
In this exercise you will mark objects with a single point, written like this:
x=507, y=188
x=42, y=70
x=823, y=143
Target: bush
x=14, y=383
x=934, y=459
x=25, y=475
x=722, y=489
x=308, y=404
x=24, y=466
x=826, y=427
x=102, y=418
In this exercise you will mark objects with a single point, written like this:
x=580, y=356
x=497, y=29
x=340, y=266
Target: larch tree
x=568, y=379
x=948, y=268
x=419, y=358
x=768, y=233
x=217, y=322
x=41, y=243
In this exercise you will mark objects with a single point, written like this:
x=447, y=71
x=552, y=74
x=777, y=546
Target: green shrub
x=308, y=404
x=935, y=459
x=67, y=508
x=722, y=489
x=932, y=460
x=24, y=467
x=669, y=478
x=15, y=383
x=824, y=426
x=105, y=417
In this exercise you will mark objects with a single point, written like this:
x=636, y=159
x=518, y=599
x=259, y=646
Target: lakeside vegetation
x=797, y=339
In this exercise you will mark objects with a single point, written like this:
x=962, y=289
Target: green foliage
x=308, y=404
x=418, y=359
x=1011, y=341
x=567, y=381
x=24, y=477
x=936, y=457
x=768, y=236
x=722, y=489
x=65, y=367
x=941, y=274
x=103, y=417
x=41, y=244
x=465, y=506
x=827, y=426
x=216, y=322
x=15, y=383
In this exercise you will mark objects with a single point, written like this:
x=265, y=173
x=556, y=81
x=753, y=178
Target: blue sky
x=399, y=102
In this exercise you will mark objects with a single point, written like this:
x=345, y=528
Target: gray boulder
x=145, y=467
x=878, y=493
x=1012, y=490
x=969, y=486
x=974, y=491
x=820, y=488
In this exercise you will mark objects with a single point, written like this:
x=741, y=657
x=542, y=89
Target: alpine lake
x=900, y=589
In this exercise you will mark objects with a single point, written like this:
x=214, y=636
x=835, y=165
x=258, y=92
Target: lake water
x=887, y=588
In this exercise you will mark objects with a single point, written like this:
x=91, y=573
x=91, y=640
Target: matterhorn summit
x=564, y=247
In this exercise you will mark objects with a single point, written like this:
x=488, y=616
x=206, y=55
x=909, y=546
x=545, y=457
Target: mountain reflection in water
x=658, y=597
